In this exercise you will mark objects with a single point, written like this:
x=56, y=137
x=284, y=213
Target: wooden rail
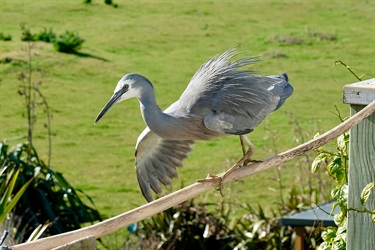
x=123, y=220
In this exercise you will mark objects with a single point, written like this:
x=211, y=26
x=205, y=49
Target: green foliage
x=45, y=35
x=110, y=2
x=26, y=34
x=336, y=162
x=191, y=226
x=187, y=226
x=334, y=238
x=69, y=42
x=366, y=193
x=337, y=168
x=37, y=199
x=48, y=196
x=7, y=186
x=261, y=230
x=4, y=37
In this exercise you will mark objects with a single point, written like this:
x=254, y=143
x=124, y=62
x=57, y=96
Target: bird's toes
x=211, y=178
x=215, y=178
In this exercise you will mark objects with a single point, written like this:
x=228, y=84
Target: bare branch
x=123, y=220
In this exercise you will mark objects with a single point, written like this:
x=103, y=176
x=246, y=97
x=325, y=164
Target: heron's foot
x=246, y=153
x=215, y=178
x=210, y=178
x=245, y=160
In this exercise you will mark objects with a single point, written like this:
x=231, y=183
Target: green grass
x=167, y=42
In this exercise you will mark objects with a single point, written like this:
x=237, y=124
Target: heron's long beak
x=109, y=104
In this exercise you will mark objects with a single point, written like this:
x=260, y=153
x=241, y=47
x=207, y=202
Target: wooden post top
x=361, y=93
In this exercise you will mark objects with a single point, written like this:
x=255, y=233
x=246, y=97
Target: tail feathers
x=284, y=89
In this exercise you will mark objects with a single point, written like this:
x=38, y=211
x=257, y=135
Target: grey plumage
x=221, y=99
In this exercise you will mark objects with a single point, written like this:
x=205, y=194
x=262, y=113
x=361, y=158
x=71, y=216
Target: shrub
x=190, y=226
x=69, y=42
x=47, y=36
x=186, y=226
x=49, y=197
x=42, y=199
x=26, y=34
x=110, y=2
x=4, y=37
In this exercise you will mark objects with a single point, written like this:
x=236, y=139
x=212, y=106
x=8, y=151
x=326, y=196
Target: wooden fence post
x=361, y=230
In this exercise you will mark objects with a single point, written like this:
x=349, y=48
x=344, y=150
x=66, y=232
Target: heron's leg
x=243, y=161
x=251, y=149
x=242, y=146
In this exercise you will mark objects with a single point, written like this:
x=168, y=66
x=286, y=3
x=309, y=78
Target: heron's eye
x=126, y=86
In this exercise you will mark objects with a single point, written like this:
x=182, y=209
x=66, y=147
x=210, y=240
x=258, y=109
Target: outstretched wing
x=213, y=77
x=156, y=161
x=232, y=100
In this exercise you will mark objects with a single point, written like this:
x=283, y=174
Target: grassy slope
x=167, y=42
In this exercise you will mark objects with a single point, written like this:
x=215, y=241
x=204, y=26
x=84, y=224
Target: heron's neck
x=159, y=122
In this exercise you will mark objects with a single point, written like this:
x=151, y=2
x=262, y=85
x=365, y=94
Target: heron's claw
x=245, y=160
x=216, y=178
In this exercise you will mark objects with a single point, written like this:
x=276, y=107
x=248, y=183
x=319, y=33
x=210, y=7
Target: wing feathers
x=156, y=161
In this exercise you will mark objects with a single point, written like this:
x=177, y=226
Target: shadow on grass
x=80, y=54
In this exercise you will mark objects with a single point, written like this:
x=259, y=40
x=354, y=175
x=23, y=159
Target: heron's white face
x=130, y=86
x=127, y=88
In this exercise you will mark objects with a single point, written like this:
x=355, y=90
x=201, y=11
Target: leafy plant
x=187, y=226
x=49, y=204
x=26, y=34
x=191, y=226
x=337, y=168
x=261, y=230
x=69, y=42
x=110, y=2
x=45, y=35
x=4, y=37
x=48, y=196
x=7, y=202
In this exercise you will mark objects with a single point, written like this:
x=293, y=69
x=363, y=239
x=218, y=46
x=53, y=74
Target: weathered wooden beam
x=361, y=230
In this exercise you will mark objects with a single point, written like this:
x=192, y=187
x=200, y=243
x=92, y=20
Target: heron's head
x=131, y=85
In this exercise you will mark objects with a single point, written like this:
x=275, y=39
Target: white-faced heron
x=221, y=99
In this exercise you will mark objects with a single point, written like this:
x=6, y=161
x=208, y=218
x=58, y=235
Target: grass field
x=167, y=42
